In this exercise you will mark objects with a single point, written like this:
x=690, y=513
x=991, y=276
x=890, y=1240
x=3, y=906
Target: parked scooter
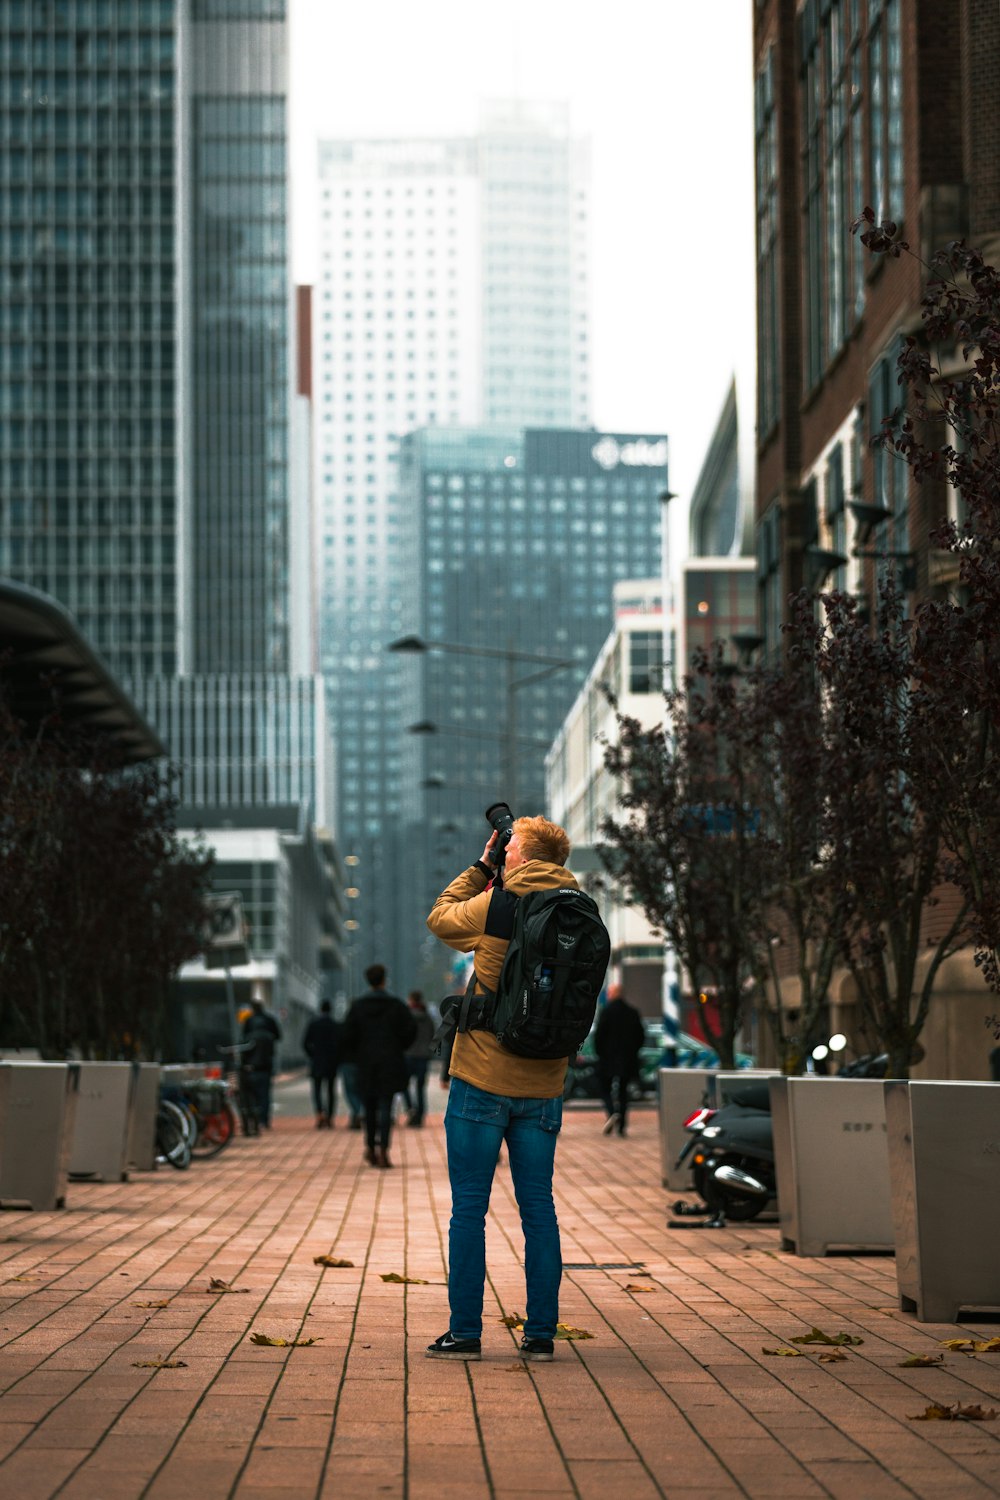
x=732, y=1155
x=732, y=1149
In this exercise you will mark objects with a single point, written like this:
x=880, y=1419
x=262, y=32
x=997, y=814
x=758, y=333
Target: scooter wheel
x=734, y=1206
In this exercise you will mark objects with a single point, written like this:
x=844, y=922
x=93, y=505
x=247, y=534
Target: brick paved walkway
x=671, y=1397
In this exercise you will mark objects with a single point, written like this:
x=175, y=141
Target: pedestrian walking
x=496, y=1096
x=618, y=1038
x=377, y=1032
x=321, y=1044
x=418, y=1056
x=261, y=1031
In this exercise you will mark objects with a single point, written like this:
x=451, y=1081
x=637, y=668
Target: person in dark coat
x=617, y=1041
x=261, y=1031
x=321, y=1044
x=377, y=1032
x=418, y=1056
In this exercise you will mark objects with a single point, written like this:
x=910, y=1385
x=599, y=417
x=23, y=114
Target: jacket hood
x=538, y=875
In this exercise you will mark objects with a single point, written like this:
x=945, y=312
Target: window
x=835, y=508
x=645, y=661
x=766, y=138
x=885, y=74
x=833, y=170
x=769, y=576
x=889, y=471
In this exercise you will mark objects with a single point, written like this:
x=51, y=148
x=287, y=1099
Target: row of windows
x=78, y=280
x=17, y=244
x=79, y=166
x=82, y=50
x=56, y=320
x=107, y=122
x=248, y=159
x=91, y=551
x=64, y=204
x=60, y=91
x=21, y=15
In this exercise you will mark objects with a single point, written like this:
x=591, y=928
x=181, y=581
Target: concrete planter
x=831, y=1161
x=680, y=1091
x=944, y=1170
x=37, y=1113
x=102, y=1118
x=140, y=1140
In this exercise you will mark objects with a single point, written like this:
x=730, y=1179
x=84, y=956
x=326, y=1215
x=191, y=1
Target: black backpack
x=546, y=996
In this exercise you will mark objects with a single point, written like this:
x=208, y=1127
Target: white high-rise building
x=453, y=291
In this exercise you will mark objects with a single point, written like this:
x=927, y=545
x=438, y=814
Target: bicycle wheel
x=216, y=1130
x=172, y=1143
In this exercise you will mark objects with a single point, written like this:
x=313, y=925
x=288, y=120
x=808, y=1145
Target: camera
x=501, y=820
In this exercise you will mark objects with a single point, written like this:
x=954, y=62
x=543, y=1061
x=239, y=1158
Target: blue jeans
x=475, y=1125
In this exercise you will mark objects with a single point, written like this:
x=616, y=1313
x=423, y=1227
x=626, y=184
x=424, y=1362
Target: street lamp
x=415, y=645
x=670, y=1002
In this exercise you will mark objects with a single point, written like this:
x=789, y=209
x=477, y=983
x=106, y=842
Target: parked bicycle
x=175, y=1134
x=208, y=1098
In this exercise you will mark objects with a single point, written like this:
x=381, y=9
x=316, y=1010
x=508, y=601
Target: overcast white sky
x=663, y=88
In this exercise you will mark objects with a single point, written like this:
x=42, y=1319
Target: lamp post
x=415, y=645
x=670, y=1005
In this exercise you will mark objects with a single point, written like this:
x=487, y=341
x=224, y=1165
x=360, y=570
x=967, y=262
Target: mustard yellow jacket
x=458, y=918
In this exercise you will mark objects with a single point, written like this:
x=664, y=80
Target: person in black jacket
x=418, y=1056
x=321, y=1044
x=261, y=1031
x=617, y=1041
x=377, y=1032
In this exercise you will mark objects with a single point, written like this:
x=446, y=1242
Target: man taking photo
x=496, y=1096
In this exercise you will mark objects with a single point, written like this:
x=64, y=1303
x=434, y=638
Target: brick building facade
x=892, y=104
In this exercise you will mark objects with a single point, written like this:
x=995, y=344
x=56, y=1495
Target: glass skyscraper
x=453, y=290
x=89, y=498
x=514, y=540
x=145, y=379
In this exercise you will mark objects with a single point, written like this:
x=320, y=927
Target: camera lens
x=501, y=819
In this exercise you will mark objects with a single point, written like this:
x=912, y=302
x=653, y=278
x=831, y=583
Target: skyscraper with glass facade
x=453, y=289
x=145, y=373
x=515, y=539
x=89, y=206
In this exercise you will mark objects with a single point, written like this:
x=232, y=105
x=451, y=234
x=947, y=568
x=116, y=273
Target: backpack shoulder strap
x=500, y=914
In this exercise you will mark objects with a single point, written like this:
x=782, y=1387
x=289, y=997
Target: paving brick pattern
x=672, y=1396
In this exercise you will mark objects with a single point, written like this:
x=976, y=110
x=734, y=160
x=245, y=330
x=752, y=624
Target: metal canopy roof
x=45, y=662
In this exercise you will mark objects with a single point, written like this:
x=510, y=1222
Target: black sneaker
x=447, y=1347
x=536, y=1348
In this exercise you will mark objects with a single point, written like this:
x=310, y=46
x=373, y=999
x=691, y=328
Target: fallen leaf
x=30, y=1276
x=165, y=1303
x=215, y=1285
x=831, y=1356
x=935, y=1413
x=394, y=1276
x=922, y=1362
x=330, y=1260
x=972, y=1346
x=265, y=1338
x=633, y=1288
x=786, y=1353
x=517, y=1368
x=564, y=1331
x=512, y=1320
x=817, y=1336
x=159, y=1364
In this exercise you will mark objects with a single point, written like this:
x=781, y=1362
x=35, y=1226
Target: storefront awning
x=45, y=662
